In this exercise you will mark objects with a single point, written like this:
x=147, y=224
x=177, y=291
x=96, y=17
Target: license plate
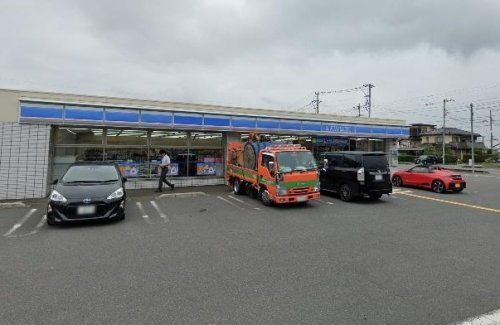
x=302, y=198
x=458, y=185
x=86, y=209
x=379, y=177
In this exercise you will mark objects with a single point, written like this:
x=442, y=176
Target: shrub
x=406, y=158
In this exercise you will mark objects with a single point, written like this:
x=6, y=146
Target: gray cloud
x=208, y=31
x=254, y=53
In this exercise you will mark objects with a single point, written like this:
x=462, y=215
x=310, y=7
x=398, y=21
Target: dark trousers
x=163, y=178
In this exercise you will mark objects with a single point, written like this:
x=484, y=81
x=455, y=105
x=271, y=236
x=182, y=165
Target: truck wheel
x=345, y=192
x=264, y=196
x=237, y=187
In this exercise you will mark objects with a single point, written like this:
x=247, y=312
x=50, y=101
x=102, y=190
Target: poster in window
x=173, y=170
x=205, y=168
x=129, y=169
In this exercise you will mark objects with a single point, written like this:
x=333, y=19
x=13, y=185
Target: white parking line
x=243, y=202
x=229, y=202
x=326, y=202
x=143, y=212
x=37, y=227
x=20, y=223
x=492, y=318
x=160, y=213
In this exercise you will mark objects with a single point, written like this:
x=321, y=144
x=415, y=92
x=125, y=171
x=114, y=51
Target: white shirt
x=165, y=161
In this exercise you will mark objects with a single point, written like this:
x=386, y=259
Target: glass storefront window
x=133, y=162
x=168, y=139
x=126, y=137
x=137, y=151
x=208, y=139
x=178, y=162
x=65, y=135
x=65, y=156
x=206, y=162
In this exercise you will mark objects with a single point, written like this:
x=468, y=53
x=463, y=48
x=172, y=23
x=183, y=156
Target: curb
x=8, y=205
x=185, y=194
x=469, y=170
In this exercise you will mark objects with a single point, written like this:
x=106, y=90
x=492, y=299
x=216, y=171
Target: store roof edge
x=107, y=101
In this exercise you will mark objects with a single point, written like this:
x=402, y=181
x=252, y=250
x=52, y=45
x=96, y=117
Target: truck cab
x=288, y=175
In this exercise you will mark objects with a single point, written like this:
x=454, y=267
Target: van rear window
x=375, y=161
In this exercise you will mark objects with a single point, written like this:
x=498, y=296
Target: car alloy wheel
x=438, y=186
x=345, y=192
x=397, y=181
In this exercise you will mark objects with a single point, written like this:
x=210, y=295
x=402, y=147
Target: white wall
x=24, y=154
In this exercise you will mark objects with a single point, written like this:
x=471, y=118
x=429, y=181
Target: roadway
x=211, y=257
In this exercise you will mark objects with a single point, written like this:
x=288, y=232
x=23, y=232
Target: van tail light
x=361, y=175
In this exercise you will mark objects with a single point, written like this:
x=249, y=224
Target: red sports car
x=430, y=177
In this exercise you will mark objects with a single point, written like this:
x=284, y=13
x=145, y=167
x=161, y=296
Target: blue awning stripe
x=31, y=112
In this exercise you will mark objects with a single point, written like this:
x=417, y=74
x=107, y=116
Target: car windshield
x=375, y=161
x=90, y=174
x=295, y=161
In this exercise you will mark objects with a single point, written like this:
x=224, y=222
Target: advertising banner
x=130, y=169
x=209, y=168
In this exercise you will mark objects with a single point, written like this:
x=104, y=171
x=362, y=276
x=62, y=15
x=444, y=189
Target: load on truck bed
x=273, y=172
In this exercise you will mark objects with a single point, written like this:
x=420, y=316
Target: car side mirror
x=271, y=168
x=54, y=182
x=124, y=179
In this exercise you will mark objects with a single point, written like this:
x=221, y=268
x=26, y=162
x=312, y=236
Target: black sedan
x=428, y=160
x=87, y=191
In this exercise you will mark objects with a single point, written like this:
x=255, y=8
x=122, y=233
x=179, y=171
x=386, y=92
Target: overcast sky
x=263, y=53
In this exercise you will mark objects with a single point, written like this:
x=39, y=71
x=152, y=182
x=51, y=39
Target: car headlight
x=55, y=196
x=116, y=194
x=317, y=187
x=282, y=190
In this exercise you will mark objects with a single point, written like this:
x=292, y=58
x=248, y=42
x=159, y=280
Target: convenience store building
x=41, y=133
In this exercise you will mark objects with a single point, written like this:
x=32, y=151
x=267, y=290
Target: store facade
x=59, y=129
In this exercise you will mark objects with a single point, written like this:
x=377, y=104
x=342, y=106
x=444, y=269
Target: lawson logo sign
x=338, y=128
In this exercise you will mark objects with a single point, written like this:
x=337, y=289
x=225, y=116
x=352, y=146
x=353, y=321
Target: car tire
x=237, y=186
x=51, y=222
x=345, y=192
x=397, y=181
x=438, y=186
x=265, y=197
x=375, y=197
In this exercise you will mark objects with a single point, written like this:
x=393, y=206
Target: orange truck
x=273, y=172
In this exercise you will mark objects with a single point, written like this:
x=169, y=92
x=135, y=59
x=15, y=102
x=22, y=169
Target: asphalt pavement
x=210, y=257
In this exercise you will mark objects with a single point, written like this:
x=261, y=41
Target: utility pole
x=491, y=132
x=317, y=101
x=446, y=100
x=472, y=133
x=369, y=98
x=359, y=109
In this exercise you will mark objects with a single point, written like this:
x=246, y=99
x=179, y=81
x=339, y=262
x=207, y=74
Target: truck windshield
x=295, y=161
x=375, y=162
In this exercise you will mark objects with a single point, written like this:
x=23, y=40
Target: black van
x=356, y=173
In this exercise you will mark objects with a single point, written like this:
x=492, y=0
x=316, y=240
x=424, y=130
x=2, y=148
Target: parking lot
x=205, y=256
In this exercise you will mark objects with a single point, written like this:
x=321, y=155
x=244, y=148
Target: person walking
x=163, y=171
